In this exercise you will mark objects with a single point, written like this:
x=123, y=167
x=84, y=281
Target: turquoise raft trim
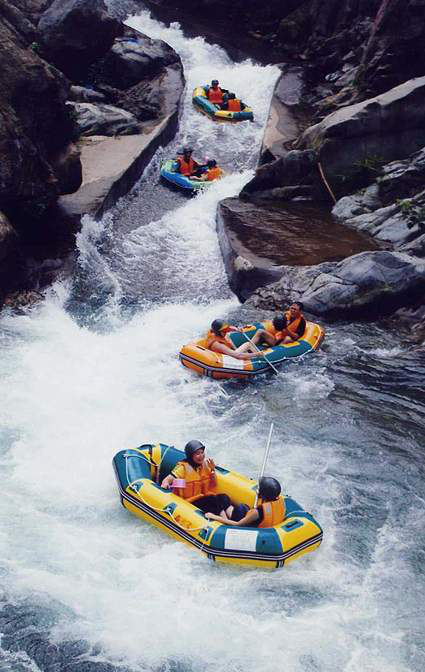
x=169, y=173
x=203, y=104
x=130, y=466
x=276, y=354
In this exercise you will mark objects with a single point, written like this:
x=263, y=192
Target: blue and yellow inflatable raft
x=197, y=357
x=201, y=102
x=169, y=172
x=139, y=472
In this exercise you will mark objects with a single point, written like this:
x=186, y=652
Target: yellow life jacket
x=293, y=326
x=273, y=513
x=199, y=482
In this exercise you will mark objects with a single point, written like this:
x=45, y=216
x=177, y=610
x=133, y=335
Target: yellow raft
x=139, y=472
x=197, y=357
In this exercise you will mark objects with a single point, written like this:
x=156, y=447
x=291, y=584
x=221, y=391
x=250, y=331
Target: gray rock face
x=81, y=94
x=8, y=238
x=281, y=127
x=77, y=32
x=381, y=129
x=364, y=283
x=103, y=119
x=134, y=57
x=294, y=169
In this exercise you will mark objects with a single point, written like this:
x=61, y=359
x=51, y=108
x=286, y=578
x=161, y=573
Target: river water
x=93, y=369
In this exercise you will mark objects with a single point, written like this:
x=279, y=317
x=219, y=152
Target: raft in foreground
x=197, y=357
x=138, y=470
x=200, y=100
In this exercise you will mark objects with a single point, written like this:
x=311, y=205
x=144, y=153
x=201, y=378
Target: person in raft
x=270, y=512
x=212, y=173
x=197, y=479
x=232, y=104
x=217, y=342
x=186, y=165
x=215, y=93
x=288, y=327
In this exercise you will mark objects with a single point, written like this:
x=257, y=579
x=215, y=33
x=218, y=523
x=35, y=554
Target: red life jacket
x=214, y=174
x=186, y=167
x=215, y=95
x=213, y=338
x=234, y=105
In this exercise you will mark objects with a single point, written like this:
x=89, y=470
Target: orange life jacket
x=199, y=482
x=213, y=338
x=186, y=167
x=215, y=95
x=234, y=105
x=214, y=174
x=273, y=513
x=293, y=326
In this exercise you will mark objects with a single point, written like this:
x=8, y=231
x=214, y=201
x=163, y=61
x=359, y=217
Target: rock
x=399, y=223
x=366, y=283
x=103, y=119
x=82, y=94
x=135, y=57
x=294, y=169
x=34, y=126
x=75, y=33
x=357, y=204
x=68, y=170
x=391, y=55
x=258, y=241
x=401, y=179
x=281, y=127
x=365, y=135
x=8, y=239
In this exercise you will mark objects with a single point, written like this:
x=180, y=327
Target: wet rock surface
x=258, y=240
x=366, y=284
x=26, y=628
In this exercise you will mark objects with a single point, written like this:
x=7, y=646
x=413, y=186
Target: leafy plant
x=413, y=213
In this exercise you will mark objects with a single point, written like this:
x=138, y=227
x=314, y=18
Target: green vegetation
x=414, y=213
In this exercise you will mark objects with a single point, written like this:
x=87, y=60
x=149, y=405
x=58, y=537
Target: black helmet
x=214, y=82
x=217, y=326
x=192, y=446
x=280, y=322
x=269, y=488
x=211, y=163
x=232, y=95
x=187, y=150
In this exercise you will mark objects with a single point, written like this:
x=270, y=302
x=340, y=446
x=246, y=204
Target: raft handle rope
x=137, y=480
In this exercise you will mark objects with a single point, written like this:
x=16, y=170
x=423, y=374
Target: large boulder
x=293, y=175
x=135, y=57
x=281, y=127
x=75, y=33
x=8, y=238
x=364, y=284
x=103, y=119
x=361, y=137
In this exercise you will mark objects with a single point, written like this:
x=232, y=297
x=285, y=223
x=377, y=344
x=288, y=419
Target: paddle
x=266, y=454
x=272, y=366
